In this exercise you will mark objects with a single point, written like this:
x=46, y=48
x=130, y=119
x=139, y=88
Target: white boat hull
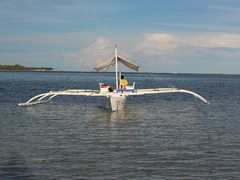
x=117, y=101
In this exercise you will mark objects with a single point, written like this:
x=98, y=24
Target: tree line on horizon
x=20, y=67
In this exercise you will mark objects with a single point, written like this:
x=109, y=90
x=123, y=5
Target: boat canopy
x=110, y=63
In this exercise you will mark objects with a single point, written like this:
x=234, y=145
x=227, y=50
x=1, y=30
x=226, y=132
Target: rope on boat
x=71, y=82
x=157, y=78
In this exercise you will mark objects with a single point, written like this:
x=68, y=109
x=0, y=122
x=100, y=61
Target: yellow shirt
x=123, y=83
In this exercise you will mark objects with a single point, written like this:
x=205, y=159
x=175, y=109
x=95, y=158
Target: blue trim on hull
x=126, y=90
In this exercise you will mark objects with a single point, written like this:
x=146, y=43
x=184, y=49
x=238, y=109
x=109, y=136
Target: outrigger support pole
x=116, y=66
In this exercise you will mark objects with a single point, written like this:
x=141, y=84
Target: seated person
x=123, y=83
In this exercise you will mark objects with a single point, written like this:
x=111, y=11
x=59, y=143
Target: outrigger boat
x=116, y=97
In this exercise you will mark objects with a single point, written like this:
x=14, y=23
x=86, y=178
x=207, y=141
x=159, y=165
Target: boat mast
x=116, y=66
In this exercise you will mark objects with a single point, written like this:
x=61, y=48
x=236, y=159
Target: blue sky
x=200, y=36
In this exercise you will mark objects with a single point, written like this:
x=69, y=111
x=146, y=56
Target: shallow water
x=165, y=136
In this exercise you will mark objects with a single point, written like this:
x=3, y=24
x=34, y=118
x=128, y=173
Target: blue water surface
x=164, y=136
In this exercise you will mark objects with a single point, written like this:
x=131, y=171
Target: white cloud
x=72, y=39
x=56, y=12
x=162, y=43
x=91, y=55
x=220, y=40
x=159, y=37
x=157, y=43
x=153, y=50
x=159, y=52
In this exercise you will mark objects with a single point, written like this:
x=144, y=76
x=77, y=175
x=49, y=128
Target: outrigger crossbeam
x=46, y=97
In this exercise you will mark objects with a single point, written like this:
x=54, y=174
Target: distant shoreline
x=18, y=67
x=62, y=71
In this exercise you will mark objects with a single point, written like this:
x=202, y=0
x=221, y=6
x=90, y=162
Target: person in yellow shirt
x=123, y=83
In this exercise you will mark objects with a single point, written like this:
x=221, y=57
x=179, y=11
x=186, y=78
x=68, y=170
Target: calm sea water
x=165, y=136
